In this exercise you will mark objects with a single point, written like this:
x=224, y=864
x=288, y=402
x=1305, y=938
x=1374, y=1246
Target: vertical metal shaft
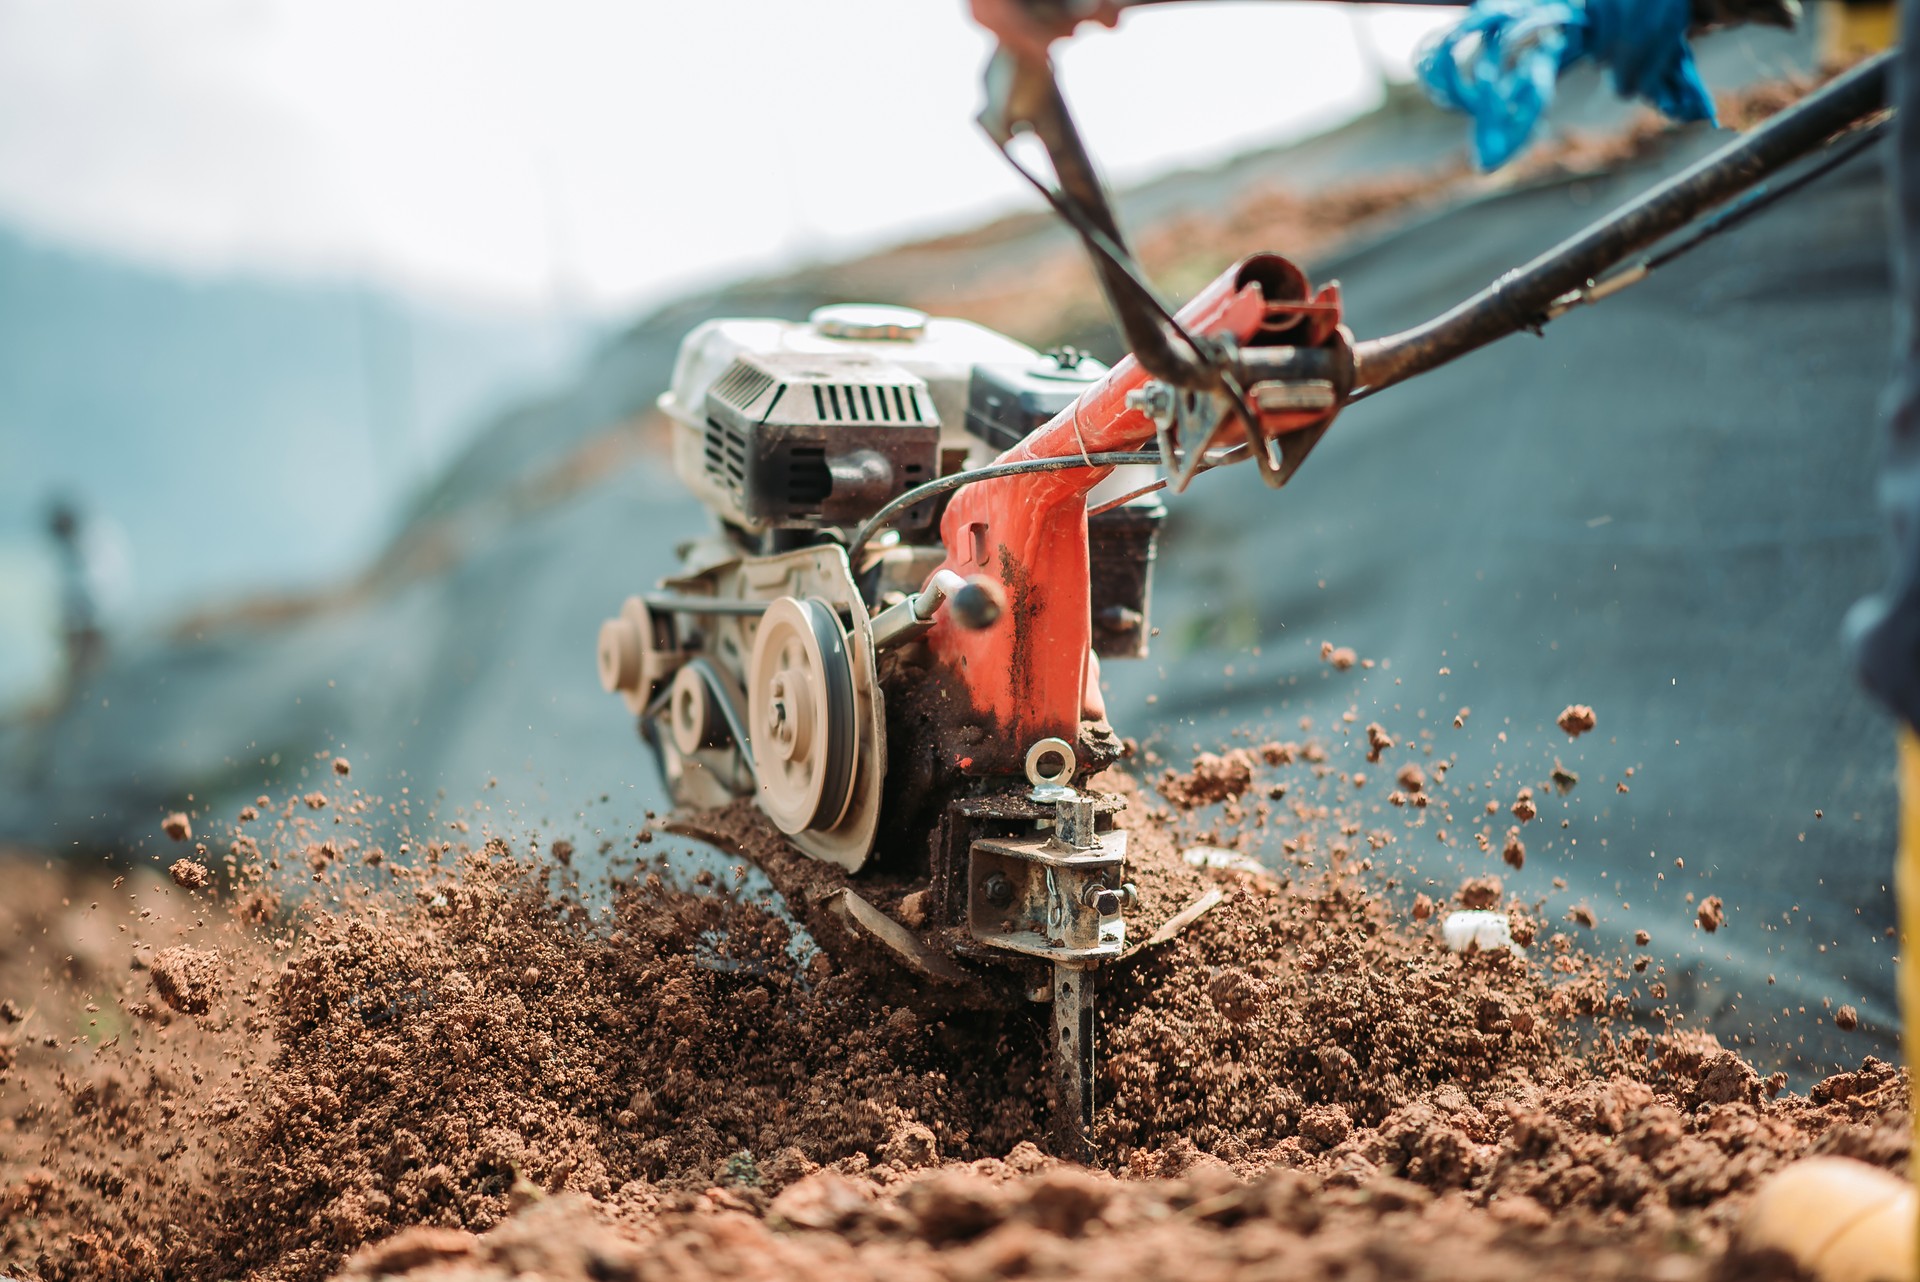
x=1073, y=990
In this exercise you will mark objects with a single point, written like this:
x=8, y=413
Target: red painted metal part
x=1027, y=675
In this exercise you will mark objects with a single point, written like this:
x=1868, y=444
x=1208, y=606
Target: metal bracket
x=1185, y=422
x=1056, y=896
x=1306, y=395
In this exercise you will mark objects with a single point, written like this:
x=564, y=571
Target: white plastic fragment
x=1478, y=929
x=1221, y=857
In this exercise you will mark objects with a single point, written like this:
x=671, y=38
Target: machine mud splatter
x=929, y=535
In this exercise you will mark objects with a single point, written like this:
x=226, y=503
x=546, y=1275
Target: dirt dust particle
x=1341, y=657
x=1213, y=777
x=1480, y=892
x=1576, y=720
x=189, y=875
x=187, y=979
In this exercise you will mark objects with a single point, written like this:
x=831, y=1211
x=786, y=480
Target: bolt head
x=979, y=604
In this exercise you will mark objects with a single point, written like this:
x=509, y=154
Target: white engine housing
x=843, y=341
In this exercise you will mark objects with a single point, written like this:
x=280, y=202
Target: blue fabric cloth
x=1500, y=64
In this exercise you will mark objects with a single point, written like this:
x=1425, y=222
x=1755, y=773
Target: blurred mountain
x=225, y=434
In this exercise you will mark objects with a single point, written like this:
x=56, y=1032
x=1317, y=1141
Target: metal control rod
x=1522, y=298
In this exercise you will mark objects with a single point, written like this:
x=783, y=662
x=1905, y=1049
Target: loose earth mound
x=470, y=1059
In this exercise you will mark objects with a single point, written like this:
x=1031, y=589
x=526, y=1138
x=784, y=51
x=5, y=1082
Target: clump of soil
x=1213, y=777
x=1341, y=657
x=1576, y=719
x=1712, y=914
x=187, y=979
x=177, y=826
x=1480, y=893
x=189, y=875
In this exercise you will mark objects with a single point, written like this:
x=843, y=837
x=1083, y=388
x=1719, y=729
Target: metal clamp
x=1185, y=422
x=1056, y=894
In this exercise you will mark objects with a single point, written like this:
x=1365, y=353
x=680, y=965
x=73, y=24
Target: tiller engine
x=904, y=548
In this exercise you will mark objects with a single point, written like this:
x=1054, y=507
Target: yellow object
x=1840, y=1220
x=1907, y=895
x=1906, y=889
x=1850, y=31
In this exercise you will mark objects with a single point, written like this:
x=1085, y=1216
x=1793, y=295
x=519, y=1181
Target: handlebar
x=1521, y=298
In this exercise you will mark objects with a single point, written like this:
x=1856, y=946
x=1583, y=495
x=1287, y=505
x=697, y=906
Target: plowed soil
x=454, y=1059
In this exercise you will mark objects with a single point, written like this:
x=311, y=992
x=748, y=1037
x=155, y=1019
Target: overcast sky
x=596, y=154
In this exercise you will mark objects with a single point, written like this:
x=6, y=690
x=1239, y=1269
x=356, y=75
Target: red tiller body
x=1026, y=675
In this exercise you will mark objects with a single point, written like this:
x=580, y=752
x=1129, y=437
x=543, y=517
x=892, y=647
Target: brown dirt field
x=456, y=1060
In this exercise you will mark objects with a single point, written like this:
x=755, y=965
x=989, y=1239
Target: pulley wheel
x=638, y=653
x=692, y=717
x=800, y=715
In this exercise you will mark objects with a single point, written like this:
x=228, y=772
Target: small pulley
x=801, y=715
x=639, y=652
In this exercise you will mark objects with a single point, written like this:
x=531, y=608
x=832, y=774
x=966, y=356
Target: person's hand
x=1025, y=29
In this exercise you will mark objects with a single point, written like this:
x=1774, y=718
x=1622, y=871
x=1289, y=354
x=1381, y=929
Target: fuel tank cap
x=870, y=322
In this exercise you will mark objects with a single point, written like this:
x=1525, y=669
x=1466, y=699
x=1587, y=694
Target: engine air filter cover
x=797, y=440
x=870, y=322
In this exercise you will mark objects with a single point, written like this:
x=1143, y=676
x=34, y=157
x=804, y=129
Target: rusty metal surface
x=1073, y=1058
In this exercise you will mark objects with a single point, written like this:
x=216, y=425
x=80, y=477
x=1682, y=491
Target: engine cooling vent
x=726, y=455
x=808, y=480
x=742, y=385
x=867, y=403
